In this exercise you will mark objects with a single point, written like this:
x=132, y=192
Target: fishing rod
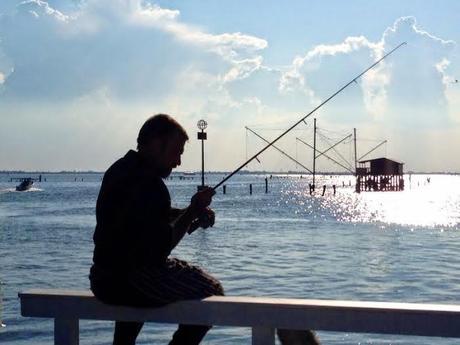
x=330, y=148
x=303, y=118
x=372, y=150
x=325, y=155
x=326, y=139
x=277, y=148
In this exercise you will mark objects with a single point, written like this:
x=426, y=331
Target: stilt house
x=380, y=174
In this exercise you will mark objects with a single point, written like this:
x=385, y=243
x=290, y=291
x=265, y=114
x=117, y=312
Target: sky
x=79, y=77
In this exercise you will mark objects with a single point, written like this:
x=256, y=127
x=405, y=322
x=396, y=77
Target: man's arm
x=182, y=224
x=200, y=201
x=175, y=213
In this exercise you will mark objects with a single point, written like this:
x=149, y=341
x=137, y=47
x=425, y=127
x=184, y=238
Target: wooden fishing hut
x=380, y=174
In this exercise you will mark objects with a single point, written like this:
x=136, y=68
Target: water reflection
x=422, y=204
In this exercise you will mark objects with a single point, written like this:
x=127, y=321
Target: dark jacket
x=133, y=213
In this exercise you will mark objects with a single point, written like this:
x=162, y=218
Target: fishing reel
x=204, y=220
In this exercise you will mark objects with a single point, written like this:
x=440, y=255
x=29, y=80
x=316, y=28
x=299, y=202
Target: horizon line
x=221, y=172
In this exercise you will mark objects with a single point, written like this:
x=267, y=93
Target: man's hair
x=159, y=126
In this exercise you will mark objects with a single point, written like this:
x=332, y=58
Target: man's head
x=162, y=140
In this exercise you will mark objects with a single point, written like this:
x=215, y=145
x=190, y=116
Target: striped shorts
x=156, y=286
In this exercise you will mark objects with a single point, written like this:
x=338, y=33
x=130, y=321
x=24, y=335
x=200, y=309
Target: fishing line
x=278, y=149
x=325, y=155
x=246, y=141
x=326, y=139
x=310, y=113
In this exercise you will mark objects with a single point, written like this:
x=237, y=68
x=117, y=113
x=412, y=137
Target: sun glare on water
x=431, y=201
x=422, y=204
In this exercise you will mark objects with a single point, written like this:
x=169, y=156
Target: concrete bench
x=263, y=315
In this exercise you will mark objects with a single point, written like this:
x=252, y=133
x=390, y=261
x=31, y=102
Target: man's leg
x=189, y=335
x=126, y=332
x=178, y=281
x=297, y=337
x=195, y=284
x=114, y=292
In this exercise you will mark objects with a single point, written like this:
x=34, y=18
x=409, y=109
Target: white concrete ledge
x=260, y=313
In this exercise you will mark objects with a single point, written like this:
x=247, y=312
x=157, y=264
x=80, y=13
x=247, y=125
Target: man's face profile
x=166, y=152
x=173, y=150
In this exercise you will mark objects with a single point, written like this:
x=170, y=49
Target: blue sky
x=78, y=78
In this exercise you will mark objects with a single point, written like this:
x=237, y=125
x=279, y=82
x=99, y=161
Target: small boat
x=25, y=184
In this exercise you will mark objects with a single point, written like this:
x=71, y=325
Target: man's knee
x=214, y=287
x=219, y=289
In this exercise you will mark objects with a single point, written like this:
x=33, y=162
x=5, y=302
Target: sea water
x=387, y=246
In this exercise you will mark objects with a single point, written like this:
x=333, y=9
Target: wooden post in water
x=250, y=188
x=224, y=188
x=314, y=156
x=266, y=185
x=1, y=306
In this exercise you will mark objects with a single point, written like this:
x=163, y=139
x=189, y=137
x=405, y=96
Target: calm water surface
x=393, y=246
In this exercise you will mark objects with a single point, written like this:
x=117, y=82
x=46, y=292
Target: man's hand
x=198, y=209
x=204, y=220
x=202, y=199
x=207, y=218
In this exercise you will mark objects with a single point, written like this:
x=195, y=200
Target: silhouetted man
x=137, y=229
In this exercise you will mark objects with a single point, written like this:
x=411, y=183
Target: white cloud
x=242, y=69
x=423, y=48
x=441, y=68
x=5, y=66
x=87, y=49
x=451, y=89
x=230, y=46
x=153, y=13
x=114, y=62
x=407, y=26
x=416, y=96
x=304, y=73
x=374, y=84
x=301, y=66
x=35, y=7
x=137, y=13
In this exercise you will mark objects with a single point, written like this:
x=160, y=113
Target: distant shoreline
x=244, y=172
